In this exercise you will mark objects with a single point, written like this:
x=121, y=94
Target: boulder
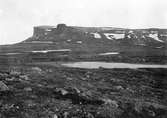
x=55, y=116
x=3, y=87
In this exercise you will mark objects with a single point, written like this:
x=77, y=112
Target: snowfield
x=155, y=37
x=112, y=36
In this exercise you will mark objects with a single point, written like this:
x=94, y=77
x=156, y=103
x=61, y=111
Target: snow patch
x=109, y=36
x=69, y=40
x=112, y=36
x=164, y=35
x=155, y=37
x=159, y=47
x=96, y=35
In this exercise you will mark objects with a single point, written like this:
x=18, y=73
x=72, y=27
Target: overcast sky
x=17, y=17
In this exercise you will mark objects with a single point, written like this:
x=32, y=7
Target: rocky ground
x=58, y=92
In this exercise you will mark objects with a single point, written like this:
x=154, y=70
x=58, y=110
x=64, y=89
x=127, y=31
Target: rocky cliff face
x=59, y=33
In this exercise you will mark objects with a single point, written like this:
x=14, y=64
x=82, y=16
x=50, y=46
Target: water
x=109, y=53
x=40, y=42
x=12, y=53
x=46, y=51
x=95, y=65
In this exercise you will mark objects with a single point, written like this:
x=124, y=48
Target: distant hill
x=153, y=37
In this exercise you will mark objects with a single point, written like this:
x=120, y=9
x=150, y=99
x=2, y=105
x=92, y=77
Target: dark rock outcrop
x=59, y=33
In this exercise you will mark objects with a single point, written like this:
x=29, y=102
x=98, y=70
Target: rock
x=66, y=114
x=89, y=115
x=10, y=79
x=83, y=78
x=28, y=89
x=148, y=111
x=39, y=85
x=24, y=77
x=73, y=90
x=74, y=117
x=49, y=70
x=3, y=87
x=4, y=75
x=69, y=78
x=29, y=103
x=130, y=90
x=116, y=80
x=55, y=116
x=77, y=90
x=61, y=27
x=36, y=70
x=110, y=111
x=14, y=72
x=119, y=87
x=111, y=102
x=63, y=91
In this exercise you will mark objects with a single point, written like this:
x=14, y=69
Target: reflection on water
x=94, y=65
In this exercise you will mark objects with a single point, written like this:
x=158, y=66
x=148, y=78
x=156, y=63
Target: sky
x=17, y=17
